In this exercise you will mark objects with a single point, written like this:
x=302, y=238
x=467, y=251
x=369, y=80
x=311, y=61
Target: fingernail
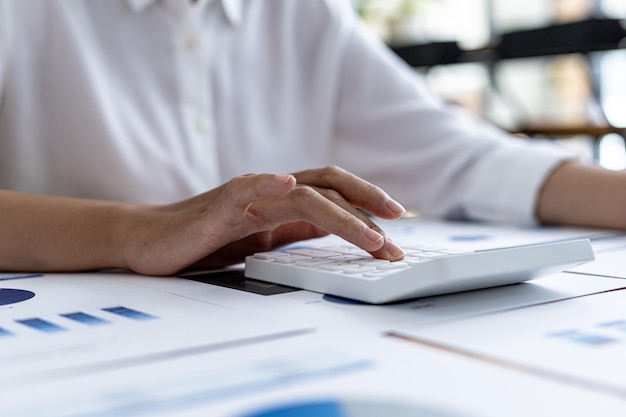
x=284, y=178
x=373, y=235
x=395, y=207
x=394, y=250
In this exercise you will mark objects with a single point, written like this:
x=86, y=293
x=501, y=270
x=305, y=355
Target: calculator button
x=270, y=256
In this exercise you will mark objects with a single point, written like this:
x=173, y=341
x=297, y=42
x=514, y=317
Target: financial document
x=62, y=325
x=579, y=342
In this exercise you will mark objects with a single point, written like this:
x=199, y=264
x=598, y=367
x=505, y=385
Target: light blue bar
x=5, y=333
x=583, y=338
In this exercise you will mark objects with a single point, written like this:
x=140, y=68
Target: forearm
x=43, y=233
x=582, y=195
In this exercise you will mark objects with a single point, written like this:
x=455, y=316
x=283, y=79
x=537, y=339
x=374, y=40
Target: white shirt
x=153, y=101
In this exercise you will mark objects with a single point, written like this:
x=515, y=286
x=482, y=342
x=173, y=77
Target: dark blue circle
x=12, y=296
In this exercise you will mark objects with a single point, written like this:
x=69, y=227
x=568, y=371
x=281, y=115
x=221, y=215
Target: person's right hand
x=256, y=213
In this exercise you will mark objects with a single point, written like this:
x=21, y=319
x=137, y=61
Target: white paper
x=581, y=340
x=479, y=236
x=68, y=326
x=246, y=379
x=609, y=263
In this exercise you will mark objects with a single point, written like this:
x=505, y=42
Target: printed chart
x=54, y=323
x=59, y=326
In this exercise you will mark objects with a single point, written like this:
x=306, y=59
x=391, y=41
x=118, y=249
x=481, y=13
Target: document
x=57, y=326
x=579, y=342
x=387, y=374
x=609, y=263
x=478, y=236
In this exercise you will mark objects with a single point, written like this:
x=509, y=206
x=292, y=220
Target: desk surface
x=111, y=344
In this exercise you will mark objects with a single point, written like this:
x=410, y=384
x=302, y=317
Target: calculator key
x=270, y=256
x=370, y=261
x=291, y=259
x=346, y=257
x=392, y=265
x=337, y=266
x=348, y=250
x=378, y=274
x=415, y=261
x=312, y=262
x=317, y=253
x=359, y=270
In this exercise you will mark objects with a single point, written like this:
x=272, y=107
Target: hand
x=257, y=213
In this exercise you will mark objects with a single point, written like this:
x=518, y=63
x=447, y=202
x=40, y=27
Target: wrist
x=125, y=222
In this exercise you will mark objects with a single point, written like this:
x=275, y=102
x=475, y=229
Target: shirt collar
x=232, y=8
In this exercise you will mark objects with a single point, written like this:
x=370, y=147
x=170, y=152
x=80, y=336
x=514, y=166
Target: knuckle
x=233, y=186
x=242, y=189
x=236, y=181
x=303, y=191
x=332, y=171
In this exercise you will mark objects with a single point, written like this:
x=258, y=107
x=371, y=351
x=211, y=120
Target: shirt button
x=191, y=43
x=200, y=126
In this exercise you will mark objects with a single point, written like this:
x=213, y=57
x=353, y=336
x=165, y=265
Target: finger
x=389, y=250
x=308, y=205
x=356, y=190
x=295, y=232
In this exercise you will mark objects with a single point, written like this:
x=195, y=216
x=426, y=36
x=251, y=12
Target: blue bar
x=584, y=338
x=4, y=332
x=321, y=409
x=617, y=325
x=130, y=313
x=85, y=318
x=42, y=325
x=7, y=276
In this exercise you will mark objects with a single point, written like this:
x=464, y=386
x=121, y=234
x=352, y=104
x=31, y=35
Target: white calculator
x=349, y=272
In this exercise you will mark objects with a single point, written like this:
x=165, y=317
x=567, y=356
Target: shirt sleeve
x=430, y=156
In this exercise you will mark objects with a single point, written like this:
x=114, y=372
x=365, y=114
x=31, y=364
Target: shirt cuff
x=506, y=186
